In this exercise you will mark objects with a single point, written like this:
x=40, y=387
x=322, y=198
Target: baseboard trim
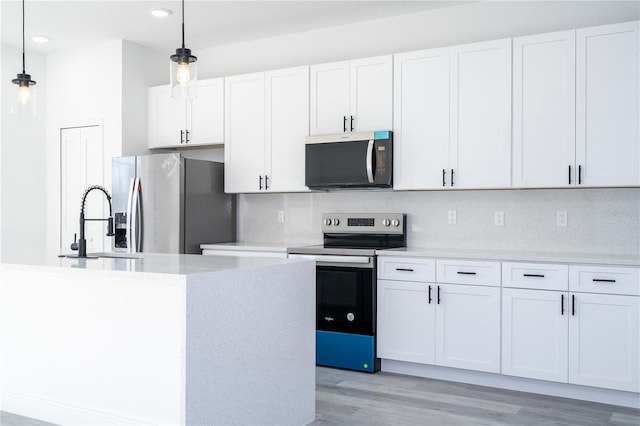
x=564, y=390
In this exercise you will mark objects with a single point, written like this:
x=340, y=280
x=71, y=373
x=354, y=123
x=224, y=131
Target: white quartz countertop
x=172, y=264
x=243, y=246
x=510, y=255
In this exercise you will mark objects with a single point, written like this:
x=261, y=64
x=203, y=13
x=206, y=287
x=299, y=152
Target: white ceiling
x=72, y=24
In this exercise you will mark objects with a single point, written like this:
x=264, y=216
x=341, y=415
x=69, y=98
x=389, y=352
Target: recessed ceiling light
x=160, y=13
x=41, y=38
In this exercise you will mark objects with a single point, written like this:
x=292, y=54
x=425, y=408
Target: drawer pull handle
x=404, y=269
x=466, y=273
x=534, y=275
x=598, y=280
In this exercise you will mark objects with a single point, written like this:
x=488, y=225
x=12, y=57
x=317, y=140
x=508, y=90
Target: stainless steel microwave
x=353, y=160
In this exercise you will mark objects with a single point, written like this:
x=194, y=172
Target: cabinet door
x=604, y=335
x=287, y=124
x=607, y=92
x=421, y=119
x=480, y=152
x=371, y=94
x=406, y=321
x=468, y=327
x=205, y=121
x=544, y=110
x=167, y=118
x=329, y=98
x=244, y=151
x=535, y=334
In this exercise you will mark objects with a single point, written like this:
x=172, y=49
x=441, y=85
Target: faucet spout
x=82, y=242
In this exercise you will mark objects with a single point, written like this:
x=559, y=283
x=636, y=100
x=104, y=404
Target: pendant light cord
x=23, y=66
x=182, y=24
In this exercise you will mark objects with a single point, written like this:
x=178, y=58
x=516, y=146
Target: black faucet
x=81, y=245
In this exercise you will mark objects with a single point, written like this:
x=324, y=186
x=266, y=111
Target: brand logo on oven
x=329, y=319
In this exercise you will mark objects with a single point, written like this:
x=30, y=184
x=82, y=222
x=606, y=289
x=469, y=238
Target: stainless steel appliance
x=165, y=203
x=346, y=285
x=354, y=160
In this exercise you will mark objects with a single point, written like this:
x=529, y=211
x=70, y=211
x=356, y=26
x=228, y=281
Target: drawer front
x=537, y=276
x=407, y=269
x=478, y=272
x=605, y=279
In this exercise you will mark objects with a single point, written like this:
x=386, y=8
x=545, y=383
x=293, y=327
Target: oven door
x=345, y=298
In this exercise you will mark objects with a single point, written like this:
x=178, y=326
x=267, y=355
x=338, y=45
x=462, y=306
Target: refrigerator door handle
x=129, y=229
x=134, y=247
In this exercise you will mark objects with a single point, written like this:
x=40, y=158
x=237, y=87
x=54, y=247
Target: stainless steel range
x=346, y=285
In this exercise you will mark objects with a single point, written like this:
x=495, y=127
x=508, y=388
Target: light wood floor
x=352, y=398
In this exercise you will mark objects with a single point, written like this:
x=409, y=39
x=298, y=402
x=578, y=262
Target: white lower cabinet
x=444, y=324
x=604, y=334
x=535, y=334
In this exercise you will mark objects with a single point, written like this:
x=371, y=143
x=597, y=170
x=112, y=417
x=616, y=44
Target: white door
x=607, y=98
x=468, y=327
x=244, y=150
x=544, y=110
x=535, y=332
x=81, y=165
x=371, y=94
x=205, y=118
x=406, y=321
x=480, y=153
x=604, y=334
x=330, y=98
x=421, y=119
x=287, y=124
x=167, y=118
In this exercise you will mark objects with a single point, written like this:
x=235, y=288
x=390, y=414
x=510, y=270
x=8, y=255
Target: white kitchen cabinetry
x=453, y=117
x=266, y=121
x=544, y=110
x=187, y=122
x=432, y=323
x=607, y=105
x=604, y=329
x=352, y=96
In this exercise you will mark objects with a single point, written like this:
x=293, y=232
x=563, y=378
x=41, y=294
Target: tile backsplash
x=598, y=220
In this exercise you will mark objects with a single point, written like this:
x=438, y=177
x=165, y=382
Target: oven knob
x=350, y=316
x=395, y=222
x=386, y=222
x=327, y=222
x=336, y=221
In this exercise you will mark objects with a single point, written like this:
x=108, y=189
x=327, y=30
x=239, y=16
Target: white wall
x=22, y=158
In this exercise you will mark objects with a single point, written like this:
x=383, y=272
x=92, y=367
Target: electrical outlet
x=561, y=218
x=452, y=217
x=498, y=219
x=280, y=216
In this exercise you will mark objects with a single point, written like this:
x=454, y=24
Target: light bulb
x=183, y=75
x=24, y=95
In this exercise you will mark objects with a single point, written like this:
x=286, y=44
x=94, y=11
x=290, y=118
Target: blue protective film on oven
x=344, y=350
x=381, y=134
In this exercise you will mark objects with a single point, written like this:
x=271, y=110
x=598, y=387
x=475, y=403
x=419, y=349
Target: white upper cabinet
x=544, y=110
x=287, y=125
x=267, y=119
x=607, y=98
x=187, y=122
x=480, y=149
x=244, y=151
x=352, y=96
x=452, y=119
x=421, y=119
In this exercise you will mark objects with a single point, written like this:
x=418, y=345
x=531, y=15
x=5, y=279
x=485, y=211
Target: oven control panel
x=369, y=223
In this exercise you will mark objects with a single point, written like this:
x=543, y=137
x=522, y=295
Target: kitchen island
x=158, y=339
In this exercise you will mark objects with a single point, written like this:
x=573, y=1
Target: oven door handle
x=332, y=259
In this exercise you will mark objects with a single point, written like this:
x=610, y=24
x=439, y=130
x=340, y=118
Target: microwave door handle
x=369, y=161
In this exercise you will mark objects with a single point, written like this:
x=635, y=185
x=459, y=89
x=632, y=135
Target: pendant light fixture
x=184, y=71
x=24, y=100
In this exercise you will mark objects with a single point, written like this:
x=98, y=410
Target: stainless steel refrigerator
x=165, y=203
